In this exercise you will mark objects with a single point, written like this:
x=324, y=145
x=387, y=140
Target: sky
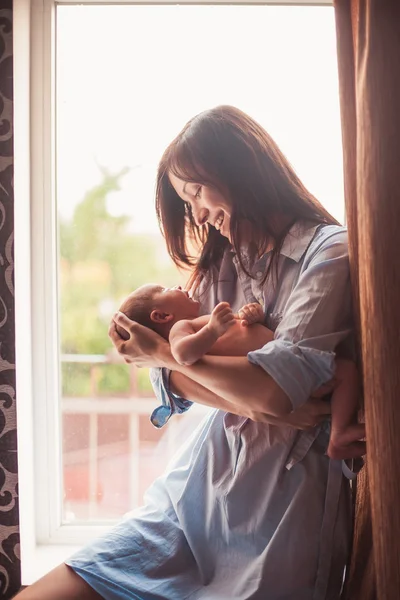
x=129, y=77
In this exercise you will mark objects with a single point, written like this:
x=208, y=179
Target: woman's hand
x=306, y=417
x=311, y=414
x=143, y=347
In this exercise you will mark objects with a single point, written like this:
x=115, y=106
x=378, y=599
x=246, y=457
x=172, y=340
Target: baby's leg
x=346, y=433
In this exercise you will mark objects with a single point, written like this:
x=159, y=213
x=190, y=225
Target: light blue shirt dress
x=248, y=510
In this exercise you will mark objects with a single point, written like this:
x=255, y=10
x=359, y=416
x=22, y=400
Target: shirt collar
x=296, y=241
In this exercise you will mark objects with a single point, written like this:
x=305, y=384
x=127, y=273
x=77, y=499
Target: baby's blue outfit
x=248, y=510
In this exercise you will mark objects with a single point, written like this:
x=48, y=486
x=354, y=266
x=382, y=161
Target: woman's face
x=207, y=203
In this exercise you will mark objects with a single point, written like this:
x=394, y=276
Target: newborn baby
x=174, y=315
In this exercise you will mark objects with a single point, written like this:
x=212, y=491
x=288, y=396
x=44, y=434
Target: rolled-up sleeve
x=171, y=404
x=316, y=318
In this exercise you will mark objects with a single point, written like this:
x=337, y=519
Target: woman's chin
x=226, y=234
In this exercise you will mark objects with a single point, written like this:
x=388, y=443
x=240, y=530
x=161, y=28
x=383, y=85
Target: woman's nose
x=201, y=216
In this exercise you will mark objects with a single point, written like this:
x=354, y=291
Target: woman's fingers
x=310, y=414
x=123, y=321
x=142, y=344
x=132, y=328
x=325, y=389
x=118, y=339
x=115, y=335
x=354, y=450
x=320, y=408
x=306, y=417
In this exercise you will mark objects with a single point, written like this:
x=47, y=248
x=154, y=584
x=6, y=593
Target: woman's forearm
x=187, y=388
x=243, y=385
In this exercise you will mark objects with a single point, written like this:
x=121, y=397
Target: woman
x=251, y=506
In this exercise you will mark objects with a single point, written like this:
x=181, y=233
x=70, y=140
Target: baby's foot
x=347, y=442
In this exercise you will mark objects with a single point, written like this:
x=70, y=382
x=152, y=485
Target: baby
x=174, y=315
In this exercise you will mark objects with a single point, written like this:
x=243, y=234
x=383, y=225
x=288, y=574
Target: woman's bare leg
x=62, y=583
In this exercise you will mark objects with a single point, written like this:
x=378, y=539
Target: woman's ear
x=158, y=316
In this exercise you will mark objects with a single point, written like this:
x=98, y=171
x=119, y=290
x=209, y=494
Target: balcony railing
x=139, y=456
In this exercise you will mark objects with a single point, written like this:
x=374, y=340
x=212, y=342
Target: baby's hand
x=251, y=313
x=221, y=319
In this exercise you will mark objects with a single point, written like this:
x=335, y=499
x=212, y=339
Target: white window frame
x=44, y=541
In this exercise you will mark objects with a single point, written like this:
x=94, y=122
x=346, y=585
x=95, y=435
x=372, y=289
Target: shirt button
x=259, y=274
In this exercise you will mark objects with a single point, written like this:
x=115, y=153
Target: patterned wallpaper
x=10, y=577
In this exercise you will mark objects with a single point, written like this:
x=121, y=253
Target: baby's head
x=158, y=308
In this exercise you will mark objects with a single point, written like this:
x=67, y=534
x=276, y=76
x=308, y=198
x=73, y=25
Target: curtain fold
x=368, y=38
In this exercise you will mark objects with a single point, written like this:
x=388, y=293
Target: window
x=111, y=86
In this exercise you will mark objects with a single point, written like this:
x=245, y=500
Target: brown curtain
x=368, y=36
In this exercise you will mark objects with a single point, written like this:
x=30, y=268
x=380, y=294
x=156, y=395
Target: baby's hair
x=138, y=306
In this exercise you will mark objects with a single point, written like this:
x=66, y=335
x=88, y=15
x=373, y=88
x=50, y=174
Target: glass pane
x=126, y=84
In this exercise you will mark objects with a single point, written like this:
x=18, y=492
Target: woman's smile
x=219, y=222
x=207, y=204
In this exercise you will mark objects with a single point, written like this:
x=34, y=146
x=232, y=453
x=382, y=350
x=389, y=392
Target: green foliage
x=101, y=262
x=113, y=379
x=75, y=379
x=143, y=382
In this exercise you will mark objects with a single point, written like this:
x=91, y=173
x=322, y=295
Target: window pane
x=126, y=84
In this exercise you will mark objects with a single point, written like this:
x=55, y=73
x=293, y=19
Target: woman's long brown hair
x=225, y=148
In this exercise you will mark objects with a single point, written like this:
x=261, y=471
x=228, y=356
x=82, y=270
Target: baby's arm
x=251, y=313
x=188, y=346
x=248, y=334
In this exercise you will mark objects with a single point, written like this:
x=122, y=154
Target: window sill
x=42, y=559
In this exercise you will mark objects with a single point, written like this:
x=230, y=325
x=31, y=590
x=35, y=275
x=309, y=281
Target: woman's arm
x=244, y=386
x=308, y=416
x=235, y=380
x=301, y=357
x=286, y=371
x=147, y=349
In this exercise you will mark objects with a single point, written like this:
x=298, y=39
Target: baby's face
x=178, y=302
